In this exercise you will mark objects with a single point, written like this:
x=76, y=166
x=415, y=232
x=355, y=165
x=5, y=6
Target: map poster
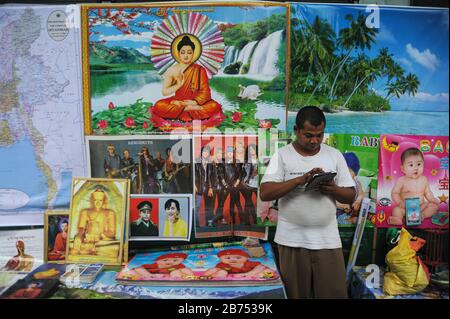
x=413, y=181
x=41, y=120
x=184, y=65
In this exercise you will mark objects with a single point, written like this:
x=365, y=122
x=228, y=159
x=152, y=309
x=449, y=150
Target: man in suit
x=143, y=226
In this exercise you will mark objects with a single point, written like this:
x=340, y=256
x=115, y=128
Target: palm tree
x=366, y=71
x=356, y=36
x=411, y=84
x=395, y=88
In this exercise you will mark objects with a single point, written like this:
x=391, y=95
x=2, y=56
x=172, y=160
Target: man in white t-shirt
x=309, y=245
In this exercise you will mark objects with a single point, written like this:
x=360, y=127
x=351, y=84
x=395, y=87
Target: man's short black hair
x=311, y=114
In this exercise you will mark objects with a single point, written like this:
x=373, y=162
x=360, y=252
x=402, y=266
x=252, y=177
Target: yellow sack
x=407, y=274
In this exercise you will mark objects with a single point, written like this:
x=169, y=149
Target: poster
x=154, y=164
x=413, y=181
x=21, y=251
x=361, y=152
x=98, y=222
x=231, y=265
x=190, y=66
x=41, y=114
x=161, y=217
x=226, y=184
x=369, y=69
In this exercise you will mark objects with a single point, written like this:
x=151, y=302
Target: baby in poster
x=413, y=168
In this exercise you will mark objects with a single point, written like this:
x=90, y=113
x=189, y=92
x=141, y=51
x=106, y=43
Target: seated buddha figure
x=188, y=83
x=95, y=225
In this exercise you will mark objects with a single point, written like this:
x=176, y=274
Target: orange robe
x=195, y=87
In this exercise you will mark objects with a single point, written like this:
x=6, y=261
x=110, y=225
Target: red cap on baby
x=239, y=252
x=172, y=255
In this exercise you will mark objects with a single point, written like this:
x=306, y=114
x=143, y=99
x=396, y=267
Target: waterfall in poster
x=265, y=57
x=262, y=55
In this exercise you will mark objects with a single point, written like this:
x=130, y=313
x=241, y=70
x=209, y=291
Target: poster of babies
x=413, y=169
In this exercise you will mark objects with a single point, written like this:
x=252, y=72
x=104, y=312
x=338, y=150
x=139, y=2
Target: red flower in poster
x=102, y=124
x=145, y=125
x=129, y=122
x=111, y=106
x=236, y=117
x=265, y=124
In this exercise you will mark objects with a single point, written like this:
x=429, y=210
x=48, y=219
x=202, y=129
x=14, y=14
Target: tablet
x=317, y=179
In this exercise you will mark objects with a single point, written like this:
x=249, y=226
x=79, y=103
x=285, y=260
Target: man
x=147, y=171
x=143, y=226
x=59, y=249
x=96, y=224
x=203, y=185
x=111, y=163
x=310, y=253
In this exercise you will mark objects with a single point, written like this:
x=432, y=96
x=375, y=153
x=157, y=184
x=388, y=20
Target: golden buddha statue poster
x=98, y=221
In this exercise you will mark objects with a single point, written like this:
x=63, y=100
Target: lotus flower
x=145, y=125
x=129, y=122
x=265, y=124
x=102, y=124
x=111, y=106
x=236, y=117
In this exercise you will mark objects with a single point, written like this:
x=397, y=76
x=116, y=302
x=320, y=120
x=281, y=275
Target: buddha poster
x=184, y=65
x=98, y=223
x=413, y=181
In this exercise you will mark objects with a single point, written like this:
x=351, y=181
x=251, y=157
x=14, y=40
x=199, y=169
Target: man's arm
x=345, y=195
x=274, y=190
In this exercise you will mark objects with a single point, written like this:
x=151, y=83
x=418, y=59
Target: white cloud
x=386, y=35
x=143, y=37
x=406, y=63
x=424, y=58
x=428, y=97
x=145, y=50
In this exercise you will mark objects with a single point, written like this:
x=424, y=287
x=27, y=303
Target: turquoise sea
x=392, y=122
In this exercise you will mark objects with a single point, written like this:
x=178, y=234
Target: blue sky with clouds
x=220, y=14
x=418, y=39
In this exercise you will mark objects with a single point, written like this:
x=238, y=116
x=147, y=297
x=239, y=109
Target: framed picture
x=160, y=217
x=98, y=227
x=56, y=227
x=154, y=164
x=160, y=67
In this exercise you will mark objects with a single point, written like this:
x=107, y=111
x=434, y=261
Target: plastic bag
x=407, y=274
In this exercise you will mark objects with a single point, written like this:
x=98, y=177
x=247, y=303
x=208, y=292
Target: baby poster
x=232, y=264
x=160, y=67
x=413, y=181
x=360, y=152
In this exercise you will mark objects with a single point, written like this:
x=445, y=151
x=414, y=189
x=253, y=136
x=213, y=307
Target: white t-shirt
x=307, y=219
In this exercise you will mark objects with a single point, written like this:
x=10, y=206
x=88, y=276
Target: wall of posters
x=413, y=181
x=153, y=164
x=158, y=67
x=370, y=69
